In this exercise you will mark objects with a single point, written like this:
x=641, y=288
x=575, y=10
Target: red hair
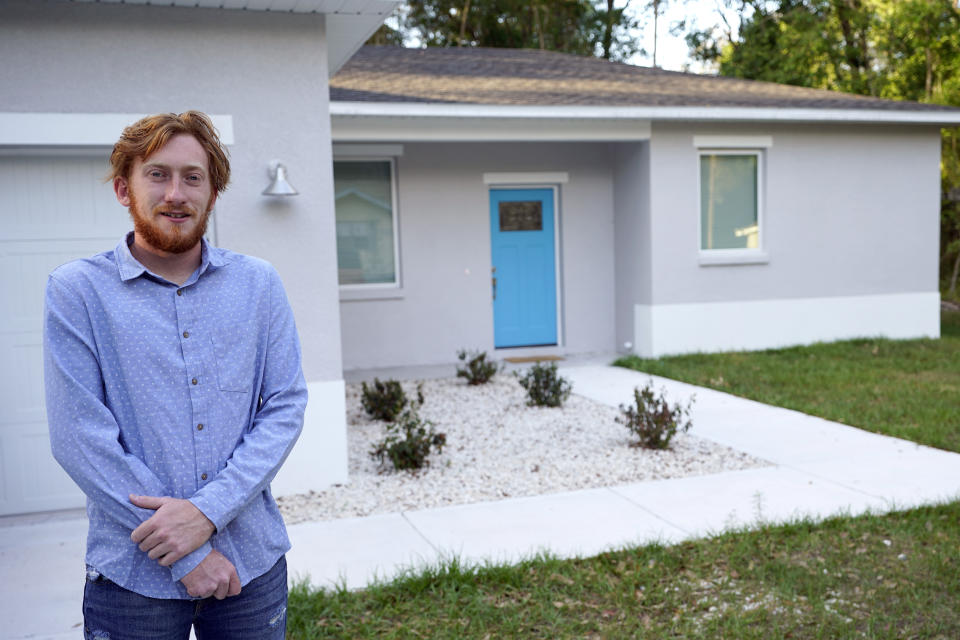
x=144, y=137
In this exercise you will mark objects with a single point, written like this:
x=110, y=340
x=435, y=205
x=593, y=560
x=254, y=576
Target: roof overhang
x=349, y=22
x=389, y=121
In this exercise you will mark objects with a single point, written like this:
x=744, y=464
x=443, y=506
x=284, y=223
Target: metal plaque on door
x=521, y=216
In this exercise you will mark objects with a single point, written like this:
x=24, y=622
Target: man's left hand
x=176, y=529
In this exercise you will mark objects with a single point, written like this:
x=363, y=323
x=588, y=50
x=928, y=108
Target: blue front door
x=524, y=267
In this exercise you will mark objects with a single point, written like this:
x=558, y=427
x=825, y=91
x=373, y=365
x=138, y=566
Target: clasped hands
x=175, y=529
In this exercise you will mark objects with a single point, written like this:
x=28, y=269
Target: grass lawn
x=894, y=577
x=887, y=576
x=904, y=388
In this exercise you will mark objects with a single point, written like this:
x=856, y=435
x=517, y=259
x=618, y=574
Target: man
x=174, y=393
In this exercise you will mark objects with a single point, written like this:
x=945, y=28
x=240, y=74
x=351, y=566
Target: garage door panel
x=45, y=198
x=54, y=210
x=25, y=266
x=43, y=485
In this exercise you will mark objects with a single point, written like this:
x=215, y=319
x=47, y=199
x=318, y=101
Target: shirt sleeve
x=276, y=424
x=84, y=435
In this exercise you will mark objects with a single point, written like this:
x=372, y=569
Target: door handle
x=493, y=280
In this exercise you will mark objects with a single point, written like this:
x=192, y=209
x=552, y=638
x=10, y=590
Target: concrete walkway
x=818, y=468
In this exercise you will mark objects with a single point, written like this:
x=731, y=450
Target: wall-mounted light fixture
x=278, y=181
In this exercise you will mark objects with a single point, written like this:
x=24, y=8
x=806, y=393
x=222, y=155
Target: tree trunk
x=656, y=16
x=952, y=291
x=538, y=25
x=608, y=31
x=463, y=22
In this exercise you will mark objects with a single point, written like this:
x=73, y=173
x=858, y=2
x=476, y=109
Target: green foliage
x=408, y=441
x=651, y=418
x=478, y=369
x=545, y=388
x=584, y=27
x=385, y=400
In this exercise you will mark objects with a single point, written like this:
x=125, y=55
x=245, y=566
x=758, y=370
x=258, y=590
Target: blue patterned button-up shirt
x=192, y=391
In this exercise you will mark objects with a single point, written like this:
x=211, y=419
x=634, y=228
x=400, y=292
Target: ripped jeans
x=111, y=612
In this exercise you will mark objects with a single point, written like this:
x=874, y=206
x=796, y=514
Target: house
x=621, y=208
x=73, y=75
x=551, y=204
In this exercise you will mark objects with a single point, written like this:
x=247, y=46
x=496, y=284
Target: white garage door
x=52, y=209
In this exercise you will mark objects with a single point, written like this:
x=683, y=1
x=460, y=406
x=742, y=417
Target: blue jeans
x=259, y=612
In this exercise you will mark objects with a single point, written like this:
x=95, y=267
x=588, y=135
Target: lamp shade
x=279, y=185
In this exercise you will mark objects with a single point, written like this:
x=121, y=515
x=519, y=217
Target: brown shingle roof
x=476, y=75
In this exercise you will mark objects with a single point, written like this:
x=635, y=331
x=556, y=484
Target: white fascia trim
x=527, y=177
x=733, y=142
x=667, y=329
x=735, y=114
x=80, y=129
x=367, y=150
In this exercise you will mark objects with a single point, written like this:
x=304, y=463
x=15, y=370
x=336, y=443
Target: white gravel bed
x=498, y=447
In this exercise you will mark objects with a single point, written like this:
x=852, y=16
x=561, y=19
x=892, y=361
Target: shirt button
x=203, y=476
x=200, y=427
x=179, y=292
x=194, y=381
x=186, y=334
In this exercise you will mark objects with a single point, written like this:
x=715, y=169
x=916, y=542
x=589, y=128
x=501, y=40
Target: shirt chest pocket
x=235, y=352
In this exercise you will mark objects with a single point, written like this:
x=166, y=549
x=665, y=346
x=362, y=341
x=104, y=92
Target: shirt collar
x=130, y=268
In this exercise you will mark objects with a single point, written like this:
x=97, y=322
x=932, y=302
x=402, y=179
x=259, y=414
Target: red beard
x=173, y=241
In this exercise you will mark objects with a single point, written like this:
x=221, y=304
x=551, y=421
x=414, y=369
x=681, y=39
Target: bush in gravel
x=385, y=400
x=652, y=419
x=545, y=388
x=408, y=441
x=478, y=369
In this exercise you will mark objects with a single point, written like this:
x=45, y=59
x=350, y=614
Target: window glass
x=728, y=202
x=364, y=203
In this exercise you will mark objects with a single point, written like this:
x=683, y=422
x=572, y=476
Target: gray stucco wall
x=445, y=259
x=849, y=210
x=632, y=246
x=267, y=70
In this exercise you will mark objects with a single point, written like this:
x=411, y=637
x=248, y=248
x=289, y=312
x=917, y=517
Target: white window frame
x=734, y=146
x=374, y=290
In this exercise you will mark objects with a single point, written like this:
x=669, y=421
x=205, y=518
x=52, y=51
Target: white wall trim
x=527, y=177
x=319, y=459
x=367, y=150
x=764, y=324
x=80, y=129
x=733, y=142
x=579, y=112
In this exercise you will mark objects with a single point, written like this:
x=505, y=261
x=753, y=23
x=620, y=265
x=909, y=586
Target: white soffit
x=424, y=110
x=348, y=24
x=79, y=129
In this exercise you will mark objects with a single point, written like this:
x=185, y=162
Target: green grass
x=904, y=388
x=893, y=576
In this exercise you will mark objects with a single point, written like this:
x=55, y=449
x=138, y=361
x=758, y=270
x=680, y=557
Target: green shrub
x=544, y=387
x=478, y=369
x=385, y=400
x=408, y=442
x=652, y=419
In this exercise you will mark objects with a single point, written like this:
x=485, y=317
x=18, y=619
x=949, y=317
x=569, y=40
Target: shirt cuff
x=189, y=562
x=205, y=505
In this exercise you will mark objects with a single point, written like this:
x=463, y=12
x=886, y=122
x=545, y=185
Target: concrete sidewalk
x=818, y=468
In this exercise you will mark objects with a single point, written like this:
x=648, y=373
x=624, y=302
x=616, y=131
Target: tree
x=584, y=27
